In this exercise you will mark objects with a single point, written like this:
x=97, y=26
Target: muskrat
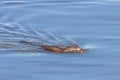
x=68, y=49
x=56, y=49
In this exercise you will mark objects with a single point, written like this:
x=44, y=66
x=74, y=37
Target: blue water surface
x=95, y=24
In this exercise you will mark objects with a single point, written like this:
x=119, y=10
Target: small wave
x=30, y=54
x=113, y=0
x=89, y=46
x=24, y=54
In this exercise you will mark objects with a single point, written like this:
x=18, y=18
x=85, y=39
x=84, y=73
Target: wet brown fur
x=70, y=49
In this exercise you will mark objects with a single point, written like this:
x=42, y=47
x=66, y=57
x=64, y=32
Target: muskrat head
x=74, y=48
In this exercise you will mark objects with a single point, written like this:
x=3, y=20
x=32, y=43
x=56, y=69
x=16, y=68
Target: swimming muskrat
x=14, y=36
x=56, y=49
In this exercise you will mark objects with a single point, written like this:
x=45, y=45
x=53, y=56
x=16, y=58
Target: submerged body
x=56, y=49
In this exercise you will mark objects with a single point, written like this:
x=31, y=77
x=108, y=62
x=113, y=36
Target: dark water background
x=95, y=24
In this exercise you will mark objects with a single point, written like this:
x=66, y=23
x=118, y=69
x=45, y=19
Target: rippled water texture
x=93, y=24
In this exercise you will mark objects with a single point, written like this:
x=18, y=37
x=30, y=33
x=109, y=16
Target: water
x=94, y=24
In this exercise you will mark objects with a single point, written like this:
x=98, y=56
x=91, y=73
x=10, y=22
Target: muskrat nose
x=81, y=51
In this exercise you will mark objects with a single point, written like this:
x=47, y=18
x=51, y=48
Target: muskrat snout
x=81, y=51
